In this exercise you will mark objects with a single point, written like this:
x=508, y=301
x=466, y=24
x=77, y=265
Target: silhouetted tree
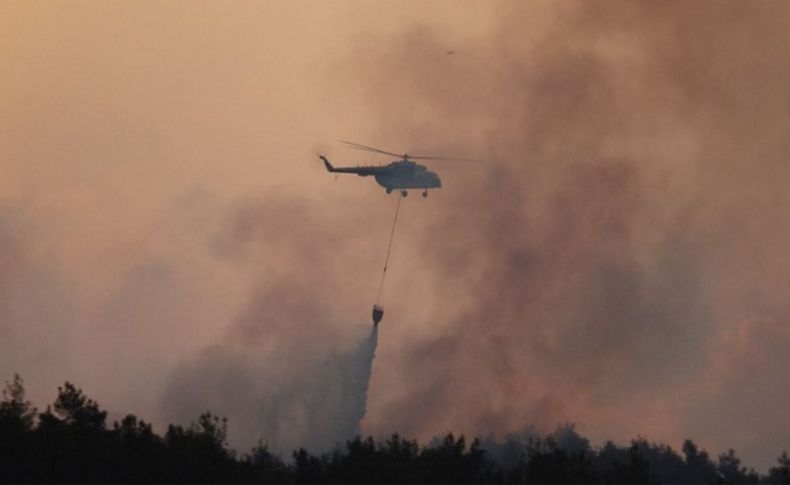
x=450, y=462
x=545, y=462
x=17, y=414
x=200, y=451
x=365, y=461
x=614, y=464
x=17, y=418
x=731, y=471
x=77, y=411
x=308, y=468
x=71, y=439
x=398, y=462
x=266, y=467
x=138, y=451
x=781, y=473
x=699, y=467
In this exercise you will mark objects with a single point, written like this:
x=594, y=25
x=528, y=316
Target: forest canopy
x=71, y=441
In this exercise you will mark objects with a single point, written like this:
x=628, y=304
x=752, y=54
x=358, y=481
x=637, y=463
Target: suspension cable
x=389, y=249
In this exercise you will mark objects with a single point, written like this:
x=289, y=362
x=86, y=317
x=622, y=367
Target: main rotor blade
x=445, y=159
x=358, y=146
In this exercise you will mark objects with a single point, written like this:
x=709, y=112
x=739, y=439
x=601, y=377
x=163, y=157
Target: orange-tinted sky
x=619, y=262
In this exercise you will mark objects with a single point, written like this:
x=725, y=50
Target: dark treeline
x=70, y=441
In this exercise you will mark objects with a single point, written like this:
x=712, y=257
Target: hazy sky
x=619, y=262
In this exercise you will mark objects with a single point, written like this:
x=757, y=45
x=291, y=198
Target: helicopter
x=401, y=174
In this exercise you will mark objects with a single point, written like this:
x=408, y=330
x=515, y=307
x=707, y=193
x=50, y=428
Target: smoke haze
x=171, y=243
x=616, y=248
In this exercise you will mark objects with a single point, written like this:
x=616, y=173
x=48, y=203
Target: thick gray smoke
x=288, y=372
x=626, y=229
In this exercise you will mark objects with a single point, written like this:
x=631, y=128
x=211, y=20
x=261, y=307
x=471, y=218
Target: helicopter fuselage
x=398, y=175
x=407, y=175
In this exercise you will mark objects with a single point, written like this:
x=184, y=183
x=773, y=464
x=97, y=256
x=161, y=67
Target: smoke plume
x=288, y=372
x=630, y=213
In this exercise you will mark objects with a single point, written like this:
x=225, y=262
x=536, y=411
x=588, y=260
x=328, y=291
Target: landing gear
x=425, y=194
x=403, y=193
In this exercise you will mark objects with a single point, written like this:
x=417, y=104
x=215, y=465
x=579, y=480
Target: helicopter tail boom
x=328, y=165
x=361, y=171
